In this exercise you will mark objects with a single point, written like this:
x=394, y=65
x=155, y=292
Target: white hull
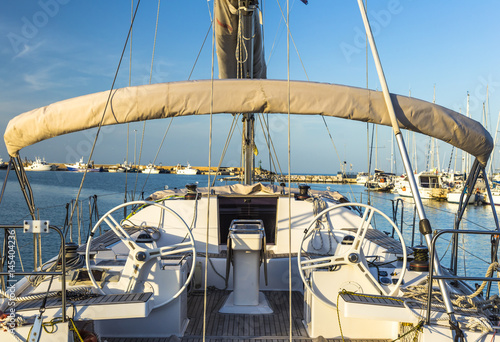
x=494, y=195
x=454, y=197
x=187, y=172
x=80, y=166
x=405, y=191
x=40, y=165
x=428, y=184
x=40, y=168
x=150, y=171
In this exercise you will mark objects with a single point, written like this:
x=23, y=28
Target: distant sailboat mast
x=424, y=224
x=492, y=159
x=467, y=156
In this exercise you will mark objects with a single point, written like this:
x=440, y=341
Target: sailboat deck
x=85, y=299
x=242, y=327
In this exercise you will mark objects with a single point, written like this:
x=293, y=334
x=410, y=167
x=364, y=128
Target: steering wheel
x=142, y=255
x=352, y=255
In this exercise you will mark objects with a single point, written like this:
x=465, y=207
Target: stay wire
x=205, y=290
x=105, y=109
x=338, y=156
x=24, y=184
x=201, y=49
x=158, y=152
x=128, y=124
x=5, y=180
x=144, y=123
x=226, y=145
x=270, y=144
x=307, y=76
x=293, y=42
x=289, y=179
x=189, y=77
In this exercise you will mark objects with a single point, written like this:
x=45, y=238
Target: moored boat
x=362, y=178
x=40, y=165
x=429, y=184
x=80, y=166
x=185, y=170
x=151, y=169
x=381, y=181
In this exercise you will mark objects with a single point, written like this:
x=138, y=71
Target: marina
x=147, y=252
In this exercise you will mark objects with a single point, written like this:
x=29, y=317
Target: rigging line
x=105, y=108
x=144, y=123
x=368, y=150
x=158, y=152
x=274, y=42
x=196, y=62
x=210, y=12
x=154, y=42
x=371, y=153
x=205, y=289
x=130, y=46
x=228, y=140
x=268, y=136
x=138, y=161
x=5, y=180
x=128, y=124
x=201, y=49
x=293, y=41
x=289, y=177
x=307, y=76
x=269, y=149
x=338, y=156
x=274, y=151
x=24, y=184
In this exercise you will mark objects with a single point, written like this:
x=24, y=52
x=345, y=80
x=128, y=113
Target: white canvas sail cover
x=165, y=100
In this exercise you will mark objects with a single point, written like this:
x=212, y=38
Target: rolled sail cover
x=164, y=100
x=226, y=36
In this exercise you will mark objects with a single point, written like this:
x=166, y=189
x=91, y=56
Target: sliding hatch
x=247, y=208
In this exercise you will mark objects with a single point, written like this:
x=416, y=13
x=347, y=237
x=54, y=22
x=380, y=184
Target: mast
x=246, y=12
x=240, y=54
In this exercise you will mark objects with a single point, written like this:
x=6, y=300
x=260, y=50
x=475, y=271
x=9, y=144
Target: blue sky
x=52, y=50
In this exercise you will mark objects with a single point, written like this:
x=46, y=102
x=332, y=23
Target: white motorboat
x=188, y=170
x=151, y=169
x=249, y=261
x=429, y=186
x=40, y=165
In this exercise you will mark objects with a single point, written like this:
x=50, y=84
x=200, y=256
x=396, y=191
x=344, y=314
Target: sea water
x=52, y=191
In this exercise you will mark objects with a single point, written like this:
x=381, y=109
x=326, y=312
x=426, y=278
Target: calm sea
x=53, y=190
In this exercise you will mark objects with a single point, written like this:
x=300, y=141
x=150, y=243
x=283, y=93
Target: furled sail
x=227, y=34
x=165, y=100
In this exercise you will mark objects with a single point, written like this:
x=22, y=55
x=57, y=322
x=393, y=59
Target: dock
x=235, y=174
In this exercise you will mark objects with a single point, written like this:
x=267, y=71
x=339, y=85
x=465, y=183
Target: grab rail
x=451, y=277
x=63, y=266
